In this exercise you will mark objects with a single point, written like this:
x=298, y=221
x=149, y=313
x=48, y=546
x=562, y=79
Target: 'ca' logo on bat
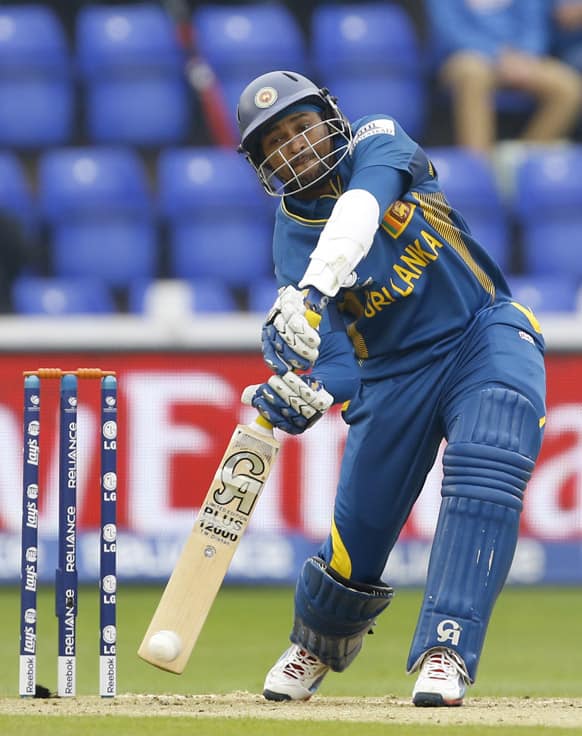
x=241, y=478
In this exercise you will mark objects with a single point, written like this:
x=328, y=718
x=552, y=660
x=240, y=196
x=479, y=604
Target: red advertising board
x=176, y=414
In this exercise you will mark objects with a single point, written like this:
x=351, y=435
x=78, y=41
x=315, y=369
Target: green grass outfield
x=123, y=726
x=533, y=650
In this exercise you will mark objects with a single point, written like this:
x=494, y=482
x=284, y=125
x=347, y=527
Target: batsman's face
x=298, y=149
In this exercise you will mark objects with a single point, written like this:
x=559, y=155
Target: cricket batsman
x=419, y=332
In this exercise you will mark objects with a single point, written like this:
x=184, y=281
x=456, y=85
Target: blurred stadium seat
x=470, y=186
x=550, y=293
x=363, y=39
x=514, y=101
x=241, y=42
x=15, y=193
x=177, y=297
x=400, y=98
x=218, y=216
x=36, y=86
x=261, y=294
x=206, y=180
x=548, y=206
x=132, y=68
x=58, y=296
x=369, y=55
x=98, y=207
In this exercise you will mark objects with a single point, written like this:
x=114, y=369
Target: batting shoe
x=295, y=676
x=442, y=679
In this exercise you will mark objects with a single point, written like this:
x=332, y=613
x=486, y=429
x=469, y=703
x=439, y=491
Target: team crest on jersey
x=266, y=97
x=397, y=217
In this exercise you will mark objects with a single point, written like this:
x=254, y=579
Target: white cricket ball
x=165, y=645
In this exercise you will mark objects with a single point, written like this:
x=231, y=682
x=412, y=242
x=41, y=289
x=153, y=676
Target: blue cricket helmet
x=266, y=98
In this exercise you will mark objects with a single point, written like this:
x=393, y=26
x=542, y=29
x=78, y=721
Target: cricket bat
x=223, y=517
x=222, y=520
x=202, y=79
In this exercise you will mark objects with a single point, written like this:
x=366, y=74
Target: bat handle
x=263, y=424
x=259, y=422
x=316, y=302
x=313, y=318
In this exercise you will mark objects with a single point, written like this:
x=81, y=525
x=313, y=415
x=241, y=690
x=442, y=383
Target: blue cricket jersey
x=425, y=278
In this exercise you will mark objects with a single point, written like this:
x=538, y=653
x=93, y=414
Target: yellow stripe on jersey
x=340, y=559
x=436, y=211
x=530, y=315
x=360, y=347
x=542, y=422
x=336, y=192
x=304, y=220
x=336, y=187
x=352, y=305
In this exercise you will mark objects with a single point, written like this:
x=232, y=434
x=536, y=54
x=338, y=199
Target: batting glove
x=288, y=340
x=290, y=402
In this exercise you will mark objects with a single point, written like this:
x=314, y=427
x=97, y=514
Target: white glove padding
x=289, y=402
x=289, y=341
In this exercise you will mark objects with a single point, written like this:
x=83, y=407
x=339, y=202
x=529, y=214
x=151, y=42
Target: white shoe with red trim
x=295, y=676
x=442, y=679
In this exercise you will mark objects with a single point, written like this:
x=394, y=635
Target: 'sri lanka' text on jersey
x=425, y=277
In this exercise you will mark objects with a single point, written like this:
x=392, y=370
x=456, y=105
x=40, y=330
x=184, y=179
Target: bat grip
x=313, y=317
x=315, y=302
x=263, y=423
x=259, y=422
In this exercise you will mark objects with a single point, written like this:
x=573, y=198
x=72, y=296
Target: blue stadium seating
x=261, y=294
x=369, y=56
x=514, y=101
x=470, y=186
x=548, y=206
x=546, y=293
x=202, y=296
x=219, y=218
x=243, y=41
x=233, y=251
x=208, y=181
x=35, y=78
x=98, y=206
x=15, y=193
x=133, y=73
x=364, y=39
x=33, y=295
x=398, y=97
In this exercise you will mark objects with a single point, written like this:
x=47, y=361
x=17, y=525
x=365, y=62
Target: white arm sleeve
x=345, y=240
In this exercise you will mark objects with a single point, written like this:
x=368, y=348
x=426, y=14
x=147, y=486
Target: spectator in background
x=567, y=32
x=481, y=46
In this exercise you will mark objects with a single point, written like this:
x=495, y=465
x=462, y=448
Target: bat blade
x=204, y=561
